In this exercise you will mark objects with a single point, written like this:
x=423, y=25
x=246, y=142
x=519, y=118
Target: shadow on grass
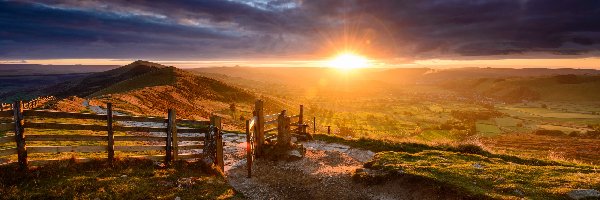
x=125, y=179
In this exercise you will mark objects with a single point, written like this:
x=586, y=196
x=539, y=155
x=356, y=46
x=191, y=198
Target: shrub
x=574, y=134
x=471, y=148
x=549, y=132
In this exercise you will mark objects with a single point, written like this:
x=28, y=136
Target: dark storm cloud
x=220, y=29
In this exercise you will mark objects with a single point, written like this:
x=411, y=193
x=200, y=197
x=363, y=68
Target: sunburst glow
x=349, y=61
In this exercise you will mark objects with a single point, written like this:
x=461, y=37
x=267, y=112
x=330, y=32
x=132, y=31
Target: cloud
x=208, y=29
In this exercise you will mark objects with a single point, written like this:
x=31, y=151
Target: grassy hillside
x=85, y=86
x=549, y=88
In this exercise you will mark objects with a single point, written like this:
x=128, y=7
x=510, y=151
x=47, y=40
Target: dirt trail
x=324, y=172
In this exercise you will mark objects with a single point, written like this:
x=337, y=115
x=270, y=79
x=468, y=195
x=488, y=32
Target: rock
x=583, y=194
x=177, y=198
x=123, y=176
x=477, y=166
x=519, y=192
x=294, y=155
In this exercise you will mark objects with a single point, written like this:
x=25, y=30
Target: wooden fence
x=31, y=104
x=272, y=127
x=212, y=144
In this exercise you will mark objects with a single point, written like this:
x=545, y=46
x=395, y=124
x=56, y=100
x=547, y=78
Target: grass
x=493, y=177
x=454, y=167
x=126, y=179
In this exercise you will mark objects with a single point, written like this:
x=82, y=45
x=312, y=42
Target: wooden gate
x=256, y=135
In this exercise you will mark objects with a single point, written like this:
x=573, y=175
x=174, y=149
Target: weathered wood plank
x=188, y=147
x=193, y=122
x=91, y=127
x=139, y=129
x=56, y=114
x=7, y=139
x=271, y=129
x=200, y=138
x=6, y=113
x=58, y=149
x=7, y=152
x=191, y=156
x=192, y=130
x=7, y=126
x=140, y=138
x=271, y=122
x=83, y=160
x=251, y=122
x=271, y=116
x=140, y=148
x=66, y=138
x=139, y=118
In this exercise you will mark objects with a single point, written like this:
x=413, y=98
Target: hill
x=146, y=88
x=546, y=88
x=94, y=82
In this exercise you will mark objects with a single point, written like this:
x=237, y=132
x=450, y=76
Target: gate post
x=248, y=149
x=284, y=138
x=219, y=161
x=260, y=127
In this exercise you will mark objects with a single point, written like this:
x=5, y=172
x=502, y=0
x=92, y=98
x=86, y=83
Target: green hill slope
x=548, y=88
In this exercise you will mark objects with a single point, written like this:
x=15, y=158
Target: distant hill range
x=505, y=84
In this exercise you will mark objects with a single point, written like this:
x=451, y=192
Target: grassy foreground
x=127, y=179
x=475, y=172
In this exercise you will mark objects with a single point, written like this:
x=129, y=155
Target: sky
x=390, y=33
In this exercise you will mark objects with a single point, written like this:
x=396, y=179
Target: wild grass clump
x=125, y=179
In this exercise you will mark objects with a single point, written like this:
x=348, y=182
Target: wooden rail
x=169, y=142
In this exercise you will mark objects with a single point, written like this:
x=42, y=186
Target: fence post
x=20, y=134
x=175, y=141
x=283, y=130
x=314, y=125
x=111, y=136
x=169, y=138
x=328, y=130
x=219, y=161
x=248, y=150
x=301, y=117
x=260, y=127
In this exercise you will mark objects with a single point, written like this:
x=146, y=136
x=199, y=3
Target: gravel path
x=324, y=173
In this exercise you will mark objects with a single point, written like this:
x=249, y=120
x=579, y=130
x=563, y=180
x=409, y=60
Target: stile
x=111, y=136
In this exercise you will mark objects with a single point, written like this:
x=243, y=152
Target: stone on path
x=583, y=194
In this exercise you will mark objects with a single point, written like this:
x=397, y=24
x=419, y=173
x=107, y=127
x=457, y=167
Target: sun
x=348, y=60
